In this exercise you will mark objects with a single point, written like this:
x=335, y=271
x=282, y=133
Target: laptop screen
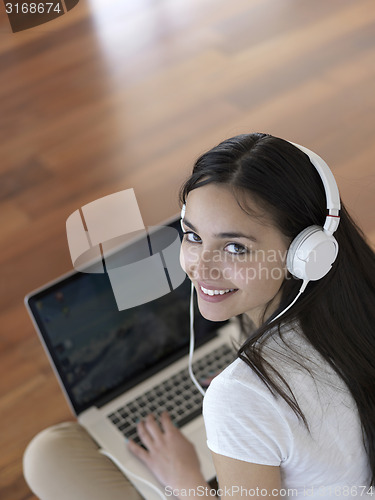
x=100, y=351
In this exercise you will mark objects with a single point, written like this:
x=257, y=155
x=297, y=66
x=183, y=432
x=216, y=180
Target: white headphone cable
x=126, y=471
x=192, y=340
x=301, y=290
x=191, y=349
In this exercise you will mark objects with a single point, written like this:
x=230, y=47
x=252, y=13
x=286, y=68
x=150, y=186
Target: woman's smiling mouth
x=215, y=294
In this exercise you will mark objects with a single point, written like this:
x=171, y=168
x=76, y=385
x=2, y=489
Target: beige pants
x=63, y=463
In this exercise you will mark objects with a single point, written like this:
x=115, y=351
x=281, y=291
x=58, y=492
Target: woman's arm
x=238, y=479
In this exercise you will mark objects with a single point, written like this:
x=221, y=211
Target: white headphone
x=314, y=250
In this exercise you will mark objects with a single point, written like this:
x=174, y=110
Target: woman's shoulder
x=287, y=350
x=290, y=360
x=293, y=356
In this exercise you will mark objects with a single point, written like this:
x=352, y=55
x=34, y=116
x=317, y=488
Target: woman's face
x=235, y=261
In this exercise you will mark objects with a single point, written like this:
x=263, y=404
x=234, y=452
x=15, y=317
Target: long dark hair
x=281, y=177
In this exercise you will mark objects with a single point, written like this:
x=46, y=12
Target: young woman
x=294, y=414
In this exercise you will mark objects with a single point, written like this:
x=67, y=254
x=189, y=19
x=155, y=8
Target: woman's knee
x=63, y=463
x=48, y=451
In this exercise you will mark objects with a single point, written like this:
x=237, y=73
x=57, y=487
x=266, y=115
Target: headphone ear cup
x=311, y=254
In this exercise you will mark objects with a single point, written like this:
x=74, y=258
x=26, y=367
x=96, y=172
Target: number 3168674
x=32, y=8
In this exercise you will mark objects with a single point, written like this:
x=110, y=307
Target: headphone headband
x=330, y=187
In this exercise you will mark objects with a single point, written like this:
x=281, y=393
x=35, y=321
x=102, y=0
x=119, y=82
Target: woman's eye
x=236, y=249
x=192, y=237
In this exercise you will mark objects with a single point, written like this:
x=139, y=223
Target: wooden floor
x=121, y=94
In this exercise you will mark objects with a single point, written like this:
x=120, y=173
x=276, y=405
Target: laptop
x=116, y=366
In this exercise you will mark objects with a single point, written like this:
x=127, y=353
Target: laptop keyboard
x=177, y=395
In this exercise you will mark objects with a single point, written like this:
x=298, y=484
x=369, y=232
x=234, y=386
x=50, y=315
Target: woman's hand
x=169, y=455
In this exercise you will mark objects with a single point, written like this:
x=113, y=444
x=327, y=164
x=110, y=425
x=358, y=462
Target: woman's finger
x=166, y=422
x=139, y=452
x=144, y=435
x=153, y=428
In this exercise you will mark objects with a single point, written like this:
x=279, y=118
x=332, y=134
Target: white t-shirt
x=245, y=421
